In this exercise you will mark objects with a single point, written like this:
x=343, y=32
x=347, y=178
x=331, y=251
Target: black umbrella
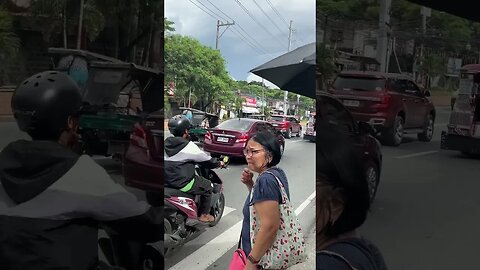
x=293, y=71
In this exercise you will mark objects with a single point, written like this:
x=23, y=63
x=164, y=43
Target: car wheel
x=151, y=259
x=393, y=136
x=288, y=135
x=299, y=132
x=373, y=177
x=427, y=133
x=217, y=210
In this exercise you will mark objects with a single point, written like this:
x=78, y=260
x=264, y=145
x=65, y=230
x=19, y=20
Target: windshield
x=359, y=84
x=236, y=124
x=277, y=118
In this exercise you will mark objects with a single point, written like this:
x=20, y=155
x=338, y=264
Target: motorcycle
x=123, y=254
x=180, y=210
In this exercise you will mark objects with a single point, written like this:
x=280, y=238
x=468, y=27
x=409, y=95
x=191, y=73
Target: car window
x=277, y=118
x=336, y=114
x=369, y=84
x=413, y=88
x=236, y=124
x=398, y=85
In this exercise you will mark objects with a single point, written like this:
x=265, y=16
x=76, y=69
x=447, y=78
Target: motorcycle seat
x=169, y=192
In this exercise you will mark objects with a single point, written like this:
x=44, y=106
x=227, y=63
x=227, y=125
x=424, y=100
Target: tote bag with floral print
x=289, y=246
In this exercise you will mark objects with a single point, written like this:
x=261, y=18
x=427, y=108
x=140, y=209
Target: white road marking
x=417, y=154
x=296, y=141
x=227, y=211
x=209, y=253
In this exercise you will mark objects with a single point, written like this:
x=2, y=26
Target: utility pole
x=426, y=12
x=219, y=23
x=382, y=39
x=80, y=25
x=285, y=98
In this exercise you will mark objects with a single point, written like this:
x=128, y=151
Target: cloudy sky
x=260, y=32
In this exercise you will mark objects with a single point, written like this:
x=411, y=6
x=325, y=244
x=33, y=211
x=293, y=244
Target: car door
x=294, y=124
x=407, y=98
x=419, y=104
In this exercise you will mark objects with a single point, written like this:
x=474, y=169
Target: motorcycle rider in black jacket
x=181, y=155
x=53, y=200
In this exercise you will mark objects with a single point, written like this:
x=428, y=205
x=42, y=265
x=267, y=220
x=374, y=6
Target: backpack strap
x=337, y=256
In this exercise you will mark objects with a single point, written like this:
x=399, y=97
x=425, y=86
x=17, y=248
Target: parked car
x=392, y=103
x=310, y=133
x=286, y=124
x=334, y=112
x=230, y=137
x=143, y=161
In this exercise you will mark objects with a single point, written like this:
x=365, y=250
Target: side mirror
x=366, y=128
x=427, y=93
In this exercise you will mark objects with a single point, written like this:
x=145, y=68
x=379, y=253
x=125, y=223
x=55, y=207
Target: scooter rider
x=52, y=200
x=180, y=159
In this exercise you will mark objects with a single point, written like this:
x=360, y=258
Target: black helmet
x=178, y=124
x=42, y=104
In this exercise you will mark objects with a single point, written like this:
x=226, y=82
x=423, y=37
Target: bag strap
x=239, y=240
x=338, y=256
x=282, y=188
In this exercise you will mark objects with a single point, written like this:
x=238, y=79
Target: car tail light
x=208, y=136
x=385, y=101
x=242, y=139
x=138, y=137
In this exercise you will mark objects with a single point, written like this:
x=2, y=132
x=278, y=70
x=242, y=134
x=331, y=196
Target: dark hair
x=340, y=167
x=270, y=142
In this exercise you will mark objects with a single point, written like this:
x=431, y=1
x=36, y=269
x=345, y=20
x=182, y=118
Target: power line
x=211, y=11
x=254, y=19
x=278, y=13
x=255, y=43
x=263, y=11
x=203, y=10
x=216, y=16
x=220, y=10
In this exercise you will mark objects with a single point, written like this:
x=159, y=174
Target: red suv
x=286, y=125
x=392, y=103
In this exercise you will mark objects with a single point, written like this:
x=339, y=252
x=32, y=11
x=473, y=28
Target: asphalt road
x=213, y=248
x=427, y=211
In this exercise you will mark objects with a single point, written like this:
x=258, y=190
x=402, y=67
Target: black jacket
x=181, y=156
x=52, y=202
x=358, y=252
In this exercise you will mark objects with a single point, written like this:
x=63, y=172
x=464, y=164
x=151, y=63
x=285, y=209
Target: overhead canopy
x=461, y=8
x=293, y=71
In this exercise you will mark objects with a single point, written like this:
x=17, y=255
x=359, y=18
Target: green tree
x=325, y=68
x=197, y=71
x=9, y=42
x=432, y=65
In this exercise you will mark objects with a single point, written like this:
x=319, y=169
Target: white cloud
x=253, y=77
x=190, y=20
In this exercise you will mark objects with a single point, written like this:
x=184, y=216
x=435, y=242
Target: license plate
x=275, y=125
x=351, y=103
x=222, y=139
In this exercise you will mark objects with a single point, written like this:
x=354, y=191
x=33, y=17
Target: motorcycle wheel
x=167, y=227
x=217, y=210
x=151, y=259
